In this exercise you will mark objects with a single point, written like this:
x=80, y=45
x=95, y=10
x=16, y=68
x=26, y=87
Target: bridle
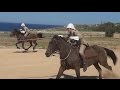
x=67, y=55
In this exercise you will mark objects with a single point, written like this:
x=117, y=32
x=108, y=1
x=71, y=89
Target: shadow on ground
x=24, y=51
x=74, y=77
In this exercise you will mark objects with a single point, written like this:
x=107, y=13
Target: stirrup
x=84, y=67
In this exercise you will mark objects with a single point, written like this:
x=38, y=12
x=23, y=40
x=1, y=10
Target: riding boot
x=84, y=63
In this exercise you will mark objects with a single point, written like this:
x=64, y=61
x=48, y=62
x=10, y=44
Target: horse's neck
x=64, y=49
x=18, y=35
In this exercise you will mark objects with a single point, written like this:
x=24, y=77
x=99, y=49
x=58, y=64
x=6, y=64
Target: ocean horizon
x=7, y=26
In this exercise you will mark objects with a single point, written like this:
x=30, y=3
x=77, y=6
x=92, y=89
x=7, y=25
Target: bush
x=109, y=33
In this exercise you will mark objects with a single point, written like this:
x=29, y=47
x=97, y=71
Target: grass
x=104, y=41
x=7, y=41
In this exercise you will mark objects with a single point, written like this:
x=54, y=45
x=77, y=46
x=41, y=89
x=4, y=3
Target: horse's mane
x=16, y=30
x=59, y=37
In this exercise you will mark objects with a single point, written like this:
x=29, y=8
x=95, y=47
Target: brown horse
x=71, y=59
x=31, y=38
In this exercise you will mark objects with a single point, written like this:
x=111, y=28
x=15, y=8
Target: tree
x=109, y=29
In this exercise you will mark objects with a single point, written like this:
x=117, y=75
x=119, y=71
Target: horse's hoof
x=34, y=51
x=26, y=49
x=100, y=77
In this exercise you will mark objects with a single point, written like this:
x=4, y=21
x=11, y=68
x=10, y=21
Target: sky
x=60, y=18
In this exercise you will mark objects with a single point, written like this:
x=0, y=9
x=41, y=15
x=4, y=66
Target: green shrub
x=109, y=33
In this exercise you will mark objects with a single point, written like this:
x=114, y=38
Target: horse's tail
x=39, y=35
x=112, y=55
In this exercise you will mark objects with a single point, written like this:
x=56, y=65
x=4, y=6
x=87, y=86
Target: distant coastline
x=7, y=26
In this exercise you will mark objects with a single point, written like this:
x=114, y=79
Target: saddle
x=26, y=34
x=90, y=52
x=24, y=37
x=75, y=41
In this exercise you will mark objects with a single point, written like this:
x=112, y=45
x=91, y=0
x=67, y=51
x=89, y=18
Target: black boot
x=84, y=67
x=84, y=64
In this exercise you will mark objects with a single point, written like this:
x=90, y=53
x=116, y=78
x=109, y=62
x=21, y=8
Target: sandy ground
x=14, y=64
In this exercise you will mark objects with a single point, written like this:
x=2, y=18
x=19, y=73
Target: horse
x=31, y=38
x=71, y=59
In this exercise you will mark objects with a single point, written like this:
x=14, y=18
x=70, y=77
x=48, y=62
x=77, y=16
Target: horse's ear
x=56, y=36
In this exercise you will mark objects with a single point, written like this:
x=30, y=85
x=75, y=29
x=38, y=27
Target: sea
x=7, y=26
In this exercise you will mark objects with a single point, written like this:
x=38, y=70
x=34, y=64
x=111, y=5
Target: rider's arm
x=26, y=29
x=83, y=41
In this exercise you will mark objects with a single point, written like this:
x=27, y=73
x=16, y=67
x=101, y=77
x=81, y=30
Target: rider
x=73, y=32
x=24, y=29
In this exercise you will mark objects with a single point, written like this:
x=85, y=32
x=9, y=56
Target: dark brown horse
x=31, y=38
x=71, y=59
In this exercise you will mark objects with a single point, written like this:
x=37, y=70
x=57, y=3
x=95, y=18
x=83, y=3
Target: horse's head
x=53, y=45
x=14, y=32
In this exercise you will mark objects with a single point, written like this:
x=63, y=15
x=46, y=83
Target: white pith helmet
x=70, y=25
x=22, y=25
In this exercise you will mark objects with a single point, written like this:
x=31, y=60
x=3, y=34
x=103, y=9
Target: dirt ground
x=14, y=64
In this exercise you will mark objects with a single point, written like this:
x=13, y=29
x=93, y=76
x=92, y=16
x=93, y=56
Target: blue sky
x=60, y=18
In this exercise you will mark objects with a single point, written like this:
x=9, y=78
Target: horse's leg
x=34, y=45
x=102, y=59
x=30, y=45
x=105, y=64
x=60, y=72
x=77, y=70
x=99, y=70
x=17, y=44
x=23, y=46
